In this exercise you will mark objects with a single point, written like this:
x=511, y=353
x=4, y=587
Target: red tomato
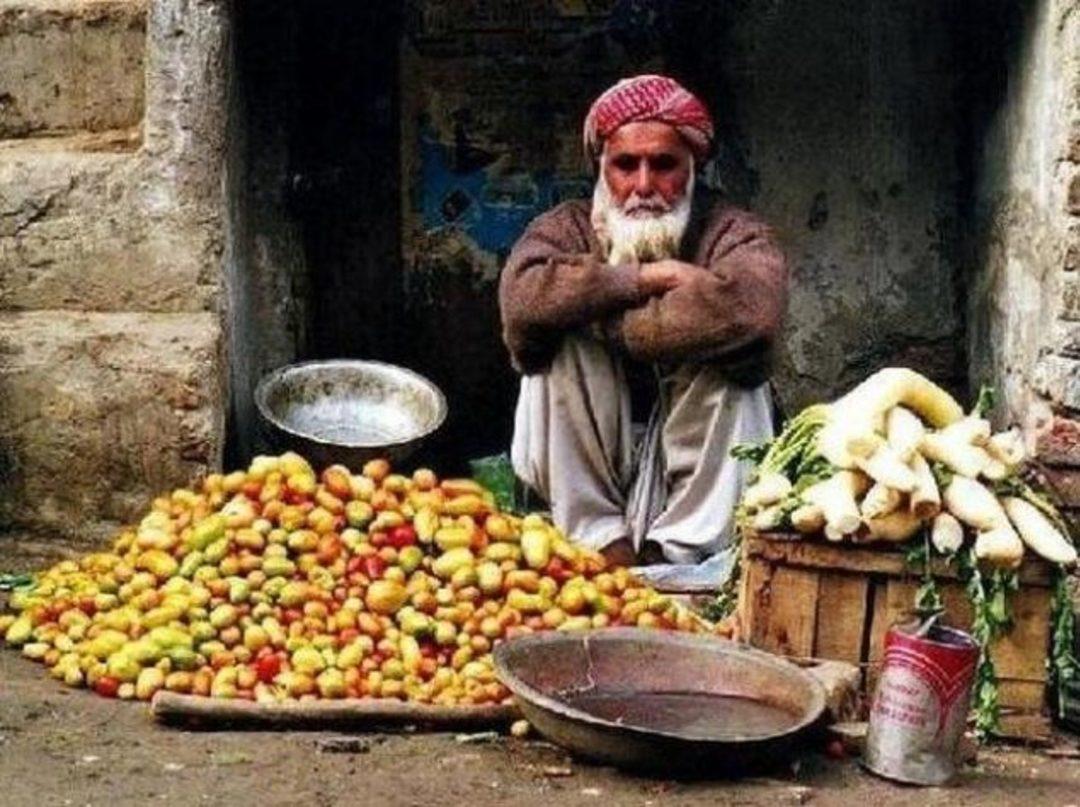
x=267, y=668
x=292, y=497
x=556, y=569
x=479, y=541
x=347, y=635
x=374, y=567
x=329, y=550
x=428, y=649
x=355, y=564
x=290, y=615
x=252, y=490
x=107, y=686
x=401, y=537
x=378, y=539
x=86, y=605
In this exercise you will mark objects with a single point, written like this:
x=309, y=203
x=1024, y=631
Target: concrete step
x=101, y=412
x=96, y=229
x=70, y=66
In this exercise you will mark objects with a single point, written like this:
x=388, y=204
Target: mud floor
x=66, y=747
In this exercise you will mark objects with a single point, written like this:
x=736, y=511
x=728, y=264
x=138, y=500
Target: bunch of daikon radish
x=893, y=457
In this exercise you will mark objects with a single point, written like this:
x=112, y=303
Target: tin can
x=921, y=704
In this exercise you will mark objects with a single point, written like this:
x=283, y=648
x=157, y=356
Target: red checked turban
x=648, y=98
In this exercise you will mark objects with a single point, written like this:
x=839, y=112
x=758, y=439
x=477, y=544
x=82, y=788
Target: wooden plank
x=841, y=614
x=1023, y=695
x=815, y=554
x=793, y=597
x=754, y=604
x=357, y=713
x=1021, y=653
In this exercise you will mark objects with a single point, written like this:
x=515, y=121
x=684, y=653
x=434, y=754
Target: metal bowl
x=661, y=701
x=348, y=411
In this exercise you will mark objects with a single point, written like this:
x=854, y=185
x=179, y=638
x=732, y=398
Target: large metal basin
x=660, y=701
x=348, y=411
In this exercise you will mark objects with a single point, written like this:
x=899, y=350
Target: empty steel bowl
x=348, y=411
x=660, y=701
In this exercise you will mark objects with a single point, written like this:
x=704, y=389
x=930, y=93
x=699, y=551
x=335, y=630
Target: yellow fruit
x=385, y=596
x=149, y=681
x=536, y=547
x=449, y=562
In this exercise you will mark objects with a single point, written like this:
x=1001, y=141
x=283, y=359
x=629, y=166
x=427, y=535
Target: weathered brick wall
x=111, y=234
x=1023, y=311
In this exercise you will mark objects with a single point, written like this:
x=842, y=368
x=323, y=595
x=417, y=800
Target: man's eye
x=626, y=163
x=664, y=162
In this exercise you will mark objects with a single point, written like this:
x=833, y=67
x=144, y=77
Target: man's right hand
x=660, y=277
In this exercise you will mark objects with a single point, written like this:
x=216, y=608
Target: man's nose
x=643, y=181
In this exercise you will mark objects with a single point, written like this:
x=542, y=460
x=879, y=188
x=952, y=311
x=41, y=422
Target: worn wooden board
x=356, y=713
x=886, y=559
x=831, y=601
x=841, y=605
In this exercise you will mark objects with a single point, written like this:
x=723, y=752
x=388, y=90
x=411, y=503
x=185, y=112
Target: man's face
x=647, y=167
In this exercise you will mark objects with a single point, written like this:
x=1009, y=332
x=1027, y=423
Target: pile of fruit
x=898, y=457
x=278, y=583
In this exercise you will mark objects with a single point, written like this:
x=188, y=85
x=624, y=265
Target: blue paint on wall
x=492, y=209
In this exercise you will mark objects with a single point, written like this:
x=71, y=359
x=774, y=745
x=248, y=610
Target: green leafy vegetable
x=989, y=599
x=986, y=401
x=1062, y=665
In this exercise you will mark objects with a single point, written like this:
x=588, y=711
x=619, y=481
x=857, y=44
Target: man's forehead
x=646, y=137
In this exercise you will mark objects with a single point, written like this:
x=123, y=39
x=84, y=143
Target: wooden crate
x=808, y=598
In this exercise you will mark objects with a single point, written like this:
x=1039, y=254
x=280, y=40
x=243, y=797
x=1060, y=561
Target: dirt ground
x=69, y=747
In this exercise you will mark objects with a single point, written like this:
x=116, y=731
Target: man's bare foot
x=620, y=553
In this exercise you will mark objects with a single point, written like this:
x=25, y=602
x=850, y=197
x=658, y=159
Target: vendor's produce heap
x=895, y=456
x=276, y=583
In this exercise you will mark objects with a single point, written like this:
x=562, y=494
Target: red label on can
x=947, y=669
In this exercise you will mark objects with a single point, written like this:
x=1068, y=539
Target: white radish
x=994, y=470
x=767, y=519
x=768, y=490
x=1038, y=532
x=1007, y=447
x=905, y=432
x=836, y=498
x=833, y=534
x=832, y=446
x=854, y=419
x=886, y=467
x=973, y=504
x=946, y=534
x=808, y=519
x=972, y=430
x=897, y=526
x=879, y=500
x=925, y=499
x=1000, y=547
x=962, y=458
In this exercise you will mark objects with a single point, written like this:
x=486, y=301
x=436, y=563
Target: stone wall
x=111, y=239
x=1024, y=332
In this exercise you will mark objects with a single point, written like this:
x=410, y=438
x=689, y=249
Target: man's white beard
x=641, y=230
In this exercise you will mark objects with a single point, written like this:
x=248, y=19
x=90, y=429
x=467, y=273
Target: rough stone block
x=1064, y=483
x=1057, y=377
x=1059, y=442
x=1070, y=298
x=70, y=66
x=98, y=231
x=99, y=412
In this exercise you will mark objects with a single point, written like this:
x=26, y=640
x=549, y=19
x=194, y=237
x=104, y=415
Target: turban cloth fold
x=648, y=98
